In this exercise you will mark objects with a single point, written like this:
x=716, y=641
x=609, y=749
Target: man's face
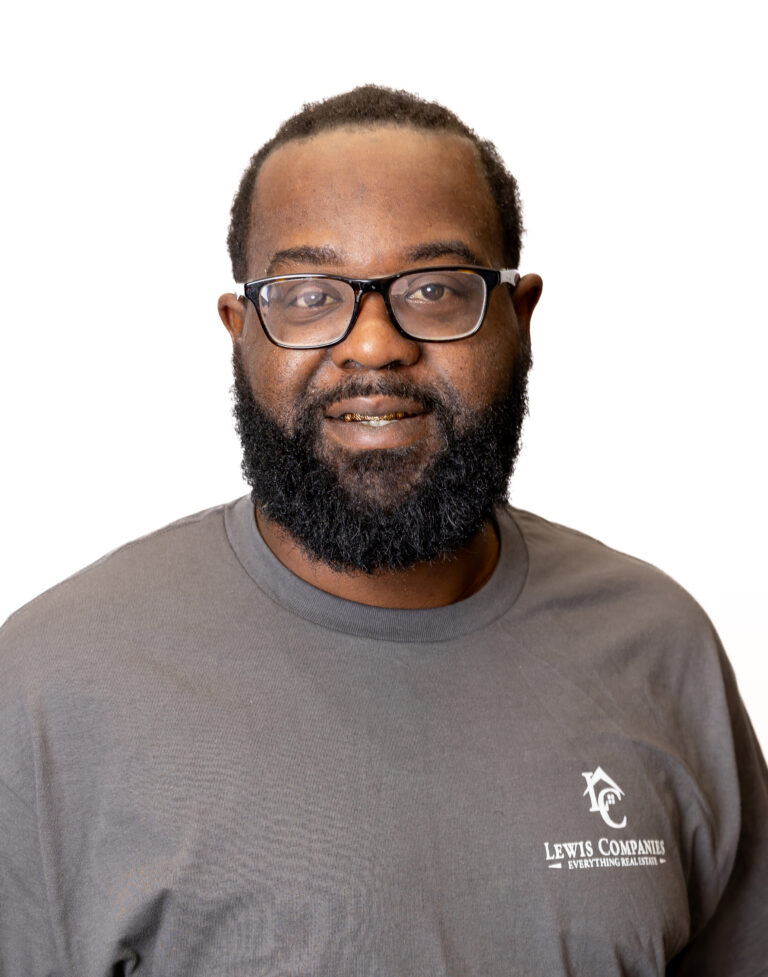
x=364, y=203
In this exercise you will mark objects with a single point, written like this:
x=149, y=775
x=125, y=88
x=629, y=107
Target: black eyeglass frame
x=381, y=286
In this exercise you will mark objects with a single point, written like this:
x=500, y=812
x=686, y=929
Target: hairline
x=370, y=107
x=369, y=126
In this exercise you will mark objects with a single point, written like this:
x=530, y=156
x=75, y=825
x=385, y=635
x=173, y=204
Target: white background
x=637, y=134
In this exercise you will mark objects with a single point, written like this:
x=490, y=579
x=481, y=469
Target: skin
x=363, y=203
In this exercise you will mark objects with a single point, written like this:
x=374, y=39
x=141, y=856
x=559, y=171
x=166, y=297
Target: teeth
x=377, y=420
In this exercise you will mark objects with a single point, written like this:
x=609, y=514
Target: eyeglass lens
x=429, y=305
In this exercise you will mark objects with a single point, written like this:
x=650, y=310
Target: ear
x=524, y=298
x=232, y=314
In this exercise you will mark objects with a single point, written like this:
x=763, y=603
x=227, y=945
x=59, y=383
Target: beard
x=381, y=509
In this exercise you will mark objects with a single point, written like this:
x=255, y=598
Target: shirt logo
x=605, y=852
x=602, y=799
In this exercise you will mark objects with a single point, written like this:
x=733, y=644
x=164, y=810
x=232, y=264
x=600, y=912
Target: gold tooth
x=397, y=416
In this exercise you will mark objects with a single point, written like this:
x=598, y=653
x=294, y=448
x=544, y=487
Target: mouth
x=375, y=411
x=376, y=420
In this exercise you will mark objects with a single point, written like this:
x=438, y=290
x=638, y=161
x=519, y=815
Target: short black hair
x=375, y=105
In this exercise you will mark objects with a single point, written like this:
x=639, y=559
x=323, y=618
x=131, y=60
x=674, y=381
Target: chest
x=311, y=823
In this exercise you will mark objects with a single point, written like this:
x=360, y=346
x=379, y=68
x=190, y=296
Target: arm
x=27, y=945
x=733, y=941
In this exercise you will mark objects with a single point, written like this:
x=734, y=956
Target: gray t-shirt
x=209, y=767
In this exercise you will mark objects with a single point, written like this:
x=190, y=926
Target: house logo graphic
x=604, y=793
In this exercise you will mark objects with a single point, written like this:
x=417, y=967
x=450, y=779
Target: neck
x=424, y=585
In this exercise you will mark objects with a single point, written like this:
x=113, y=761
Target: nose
x=374, y=343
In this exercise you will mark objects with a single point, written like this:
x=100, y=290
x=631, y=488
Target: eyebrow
x=442, y=249
x=305, y=254
x=326, y=255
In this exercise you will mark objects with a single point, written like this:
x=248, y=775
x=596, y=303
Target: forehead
x=371, y=195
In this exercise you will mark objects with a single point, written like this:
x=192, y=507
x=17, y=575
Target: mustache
x=427, y=396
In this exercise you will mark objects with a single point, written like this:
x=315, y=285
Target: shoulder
x=568, y=568
x=124, y=586
x=100, y=644
x=547, y=540
x=616, y=617
x=629, y=637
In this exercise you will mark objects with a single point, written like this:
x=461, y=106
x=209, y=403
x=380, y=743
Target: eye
x=302, y=299
x=314, y=297
x=431, y=292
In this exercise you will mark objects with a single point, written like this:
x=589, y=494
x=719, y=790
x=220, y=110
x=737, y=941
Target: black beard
x=382, y=509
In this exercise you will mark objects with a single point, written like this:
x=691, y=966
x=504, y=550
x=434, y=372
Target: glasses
x=431, y=305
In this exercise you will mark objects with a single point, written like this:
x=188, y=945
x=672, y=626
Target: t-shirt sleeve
x=733, y=941
x=26, y=938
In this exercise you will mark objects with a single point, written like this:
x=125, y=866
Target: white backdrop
x=637, y=133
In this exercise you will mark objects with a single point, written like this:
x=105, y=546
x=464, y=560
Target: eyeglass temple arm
x=509, y=276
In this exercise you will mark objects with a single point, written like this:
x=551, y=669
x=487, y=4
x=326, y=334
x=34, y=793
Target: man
x=371, y=721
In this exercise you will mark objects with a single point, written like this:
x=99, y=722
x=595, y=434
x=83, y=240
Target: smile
x=375, y=420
